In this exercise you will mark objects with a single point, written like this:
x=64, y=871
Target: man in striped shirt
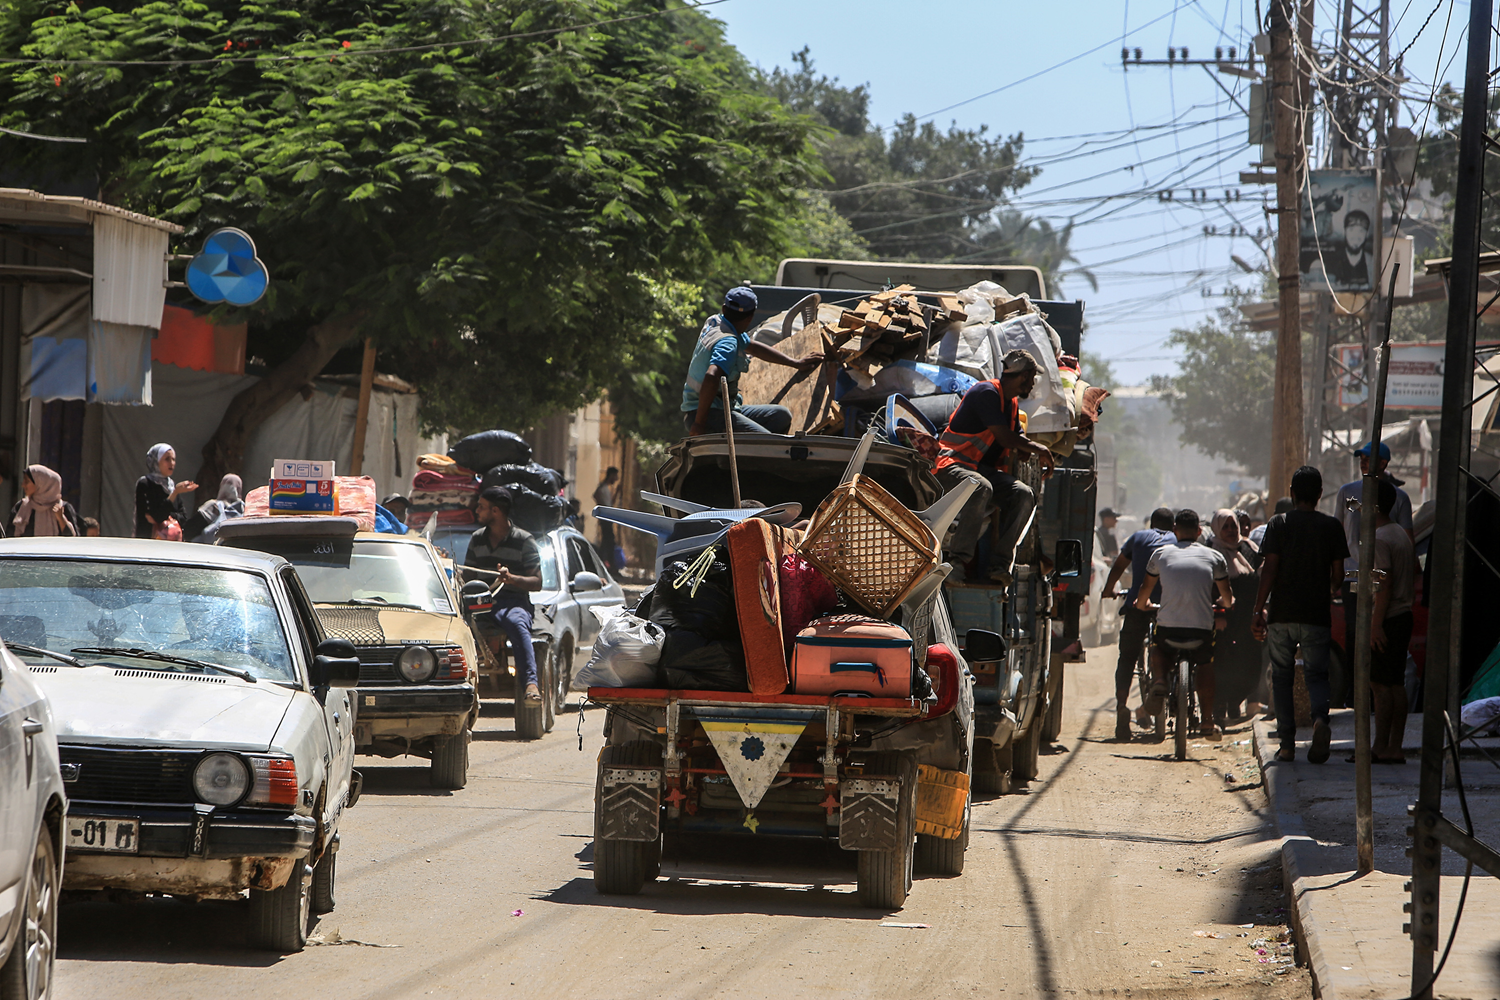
x=505, y=549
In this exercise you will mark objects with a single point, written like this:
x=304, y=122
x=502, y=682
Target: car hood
x=109, y=705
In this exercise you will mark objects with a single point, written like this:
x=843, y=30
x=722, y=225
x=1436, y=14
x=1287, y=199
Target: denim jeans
x=1013, y=497
x=513, y=617
x=1282, y=641
x=758, y=418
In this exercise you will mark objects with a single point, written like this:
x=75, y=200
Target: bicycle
x=1182, y=694
x=1143, y=678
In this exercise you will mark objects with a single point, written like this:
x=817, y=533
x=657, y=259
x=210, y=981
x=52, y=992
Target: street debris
x=331, y=938
x=1210, y=934
x=922, y=927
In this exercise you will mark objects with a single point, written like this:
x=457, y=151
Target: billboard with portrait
x=1340, y=210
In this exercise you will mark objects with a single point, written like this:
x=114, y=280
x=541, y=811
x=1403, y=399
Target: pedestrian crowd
x=1246, y=603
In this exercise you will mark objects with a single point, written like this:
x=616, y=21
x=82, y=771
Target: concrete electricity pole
x=1291, y=34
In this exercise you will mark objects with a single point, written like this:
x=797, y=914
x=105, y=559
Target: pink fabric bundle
x=805, y=594
x=433, y=482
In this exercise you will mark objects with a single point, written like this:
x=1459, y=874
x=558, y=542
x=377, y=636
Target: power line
x=1049, y=69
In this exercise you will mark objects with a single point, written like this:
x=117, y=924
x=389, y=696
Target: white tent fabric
x=129, y=271
x=187, y=410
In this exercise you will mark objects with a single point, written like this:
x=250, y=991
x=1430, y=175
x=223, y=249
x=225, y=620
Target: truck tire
x=27, y=973
x=279, y=917
x=324, y=874
x=885, y=876
x=1053, y=727
x=937, y=856
x=986, y=778
x=1027, y=747
x=623, y=867
x=1182, y=709
x=450, y=761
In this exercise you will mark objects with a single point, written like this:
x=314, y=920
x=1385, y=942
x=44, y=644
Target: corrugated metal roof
x=25, y=207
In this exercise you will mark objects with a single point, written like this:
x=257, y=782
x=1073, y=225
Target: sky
x=1108, y=140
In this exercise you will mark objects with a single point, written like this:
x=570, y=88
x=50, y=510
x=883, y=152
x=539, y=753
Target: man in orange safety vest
x=983, y=430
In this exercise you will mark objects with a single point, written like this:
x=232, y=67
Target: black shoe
x=1317, y=750
x=1122, y=726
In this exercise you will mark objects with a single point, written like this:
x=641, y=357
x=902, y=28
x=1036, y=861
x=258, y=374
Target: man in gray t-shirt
x=1189, y=575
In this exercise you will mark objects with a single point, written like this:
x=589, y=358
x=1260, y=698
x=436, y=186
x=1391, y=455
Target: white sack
x=625, y=654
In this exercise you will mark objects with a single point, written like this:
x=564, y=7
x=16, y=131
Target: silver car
x=205, y=727
x=574, y=579
x=33, y=811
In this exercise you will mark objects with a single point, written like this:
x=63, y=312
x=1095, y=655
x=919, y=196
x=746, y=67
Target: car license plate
x=117, y=836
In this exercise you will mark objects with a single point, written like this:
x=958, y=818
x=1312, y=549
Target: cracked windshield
x=216, y=615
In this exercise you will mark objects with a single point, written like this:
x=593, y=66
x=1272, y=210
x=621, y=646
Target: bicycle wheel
x=1181, y=702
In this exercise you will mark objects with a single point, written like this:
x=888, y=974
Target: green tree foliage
x=512, y=221
x=1223, y=390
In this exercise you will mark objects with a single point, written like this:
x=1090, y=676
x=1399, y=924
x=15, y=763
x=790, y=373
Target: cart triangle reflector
x=752, y=752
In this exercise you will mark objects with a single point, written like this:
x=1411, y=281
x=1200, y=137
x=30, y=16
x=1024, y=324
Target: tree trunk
x=225, y=451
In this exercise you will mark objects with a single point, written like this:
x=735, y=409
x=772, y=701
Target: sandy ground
x=1119, y=872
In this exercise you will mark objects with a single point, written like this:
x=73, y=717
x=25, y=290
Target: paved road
x=1093, y=882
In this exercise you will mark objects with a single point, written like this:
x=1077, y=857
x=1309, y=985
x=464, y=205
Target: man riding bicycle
x=1188, y=573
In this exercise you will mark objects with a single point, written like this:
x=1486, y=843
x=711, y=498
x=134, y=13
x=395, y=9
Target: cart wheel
x=937, y=856
x=885, y=876
x=1184, y=719
x=532, y=719
x=623, y=867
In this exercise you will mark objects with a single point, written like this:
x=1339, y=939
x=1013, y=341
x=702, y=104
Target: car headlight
x=416, y=664
x=221, y=779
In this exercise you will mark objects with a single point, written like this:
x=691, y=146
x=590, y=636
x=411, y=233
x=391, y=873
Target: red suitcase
x=852, y=653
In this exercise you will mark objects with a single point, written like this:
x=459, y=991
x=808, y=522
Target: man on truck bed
x=723, y=351
x=512, y=554
x=984, y=428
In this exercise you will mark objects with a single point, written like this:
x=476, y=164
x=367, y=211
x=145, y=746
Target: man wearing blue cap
x=1350, y=519
x=723, y=351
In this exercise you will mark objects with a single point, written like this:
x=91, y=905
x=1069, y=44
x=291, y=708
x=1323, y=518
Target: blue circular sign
x=227, y=270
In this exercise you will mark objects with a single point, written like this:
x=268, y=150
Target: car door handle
x=31, y=727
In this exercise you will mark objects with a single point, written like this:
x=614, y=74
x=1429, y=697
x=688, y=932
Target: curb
x=1281, y=793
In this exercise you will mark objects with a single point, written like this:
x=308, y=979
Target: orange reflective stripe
x=958, y=448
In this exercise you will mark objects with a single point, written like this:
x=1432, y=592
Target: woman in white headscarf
x=43, y=513
x=156, y=495
x=1236, y=653
x=203, y=525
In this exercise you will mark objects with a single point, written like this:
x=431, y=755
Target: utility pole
x=1290, y=29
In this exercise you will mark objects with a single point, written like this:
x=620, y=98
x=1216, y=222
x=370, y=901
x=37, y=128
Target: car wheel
x=546, y=675
x=450, y=761
x=562, y=677
x=279, y=917
x=27, y=973
x=623, y=867
x=324, y=873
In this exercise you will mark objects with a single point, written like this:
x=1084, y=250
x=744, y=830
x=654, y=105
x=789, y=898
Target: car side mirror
x=336, y=664
x=585, y=582
x=1067, y=560
x=981, y=646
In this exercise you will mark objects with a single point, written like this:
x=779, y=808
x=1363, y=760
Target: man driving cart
x=511, y=555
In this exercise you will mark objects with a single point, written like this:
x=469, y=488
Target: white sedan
x=204, y=723
x=33, y=810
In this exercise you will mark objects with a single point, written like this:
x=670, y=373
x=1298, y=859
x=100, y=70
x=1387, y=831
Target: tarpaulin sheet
x=54, y=346
x=189, y=405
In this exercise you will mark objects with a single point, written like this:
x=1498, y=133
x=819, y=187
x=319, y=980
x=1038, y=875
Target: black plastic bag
x=688, y=662
x=534, y=512
x=534, y=476
x=710, y=612
x=488, y=449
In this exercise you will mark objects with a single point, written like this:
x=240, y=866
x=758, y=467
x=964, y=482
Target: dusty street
x=1106, y=878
